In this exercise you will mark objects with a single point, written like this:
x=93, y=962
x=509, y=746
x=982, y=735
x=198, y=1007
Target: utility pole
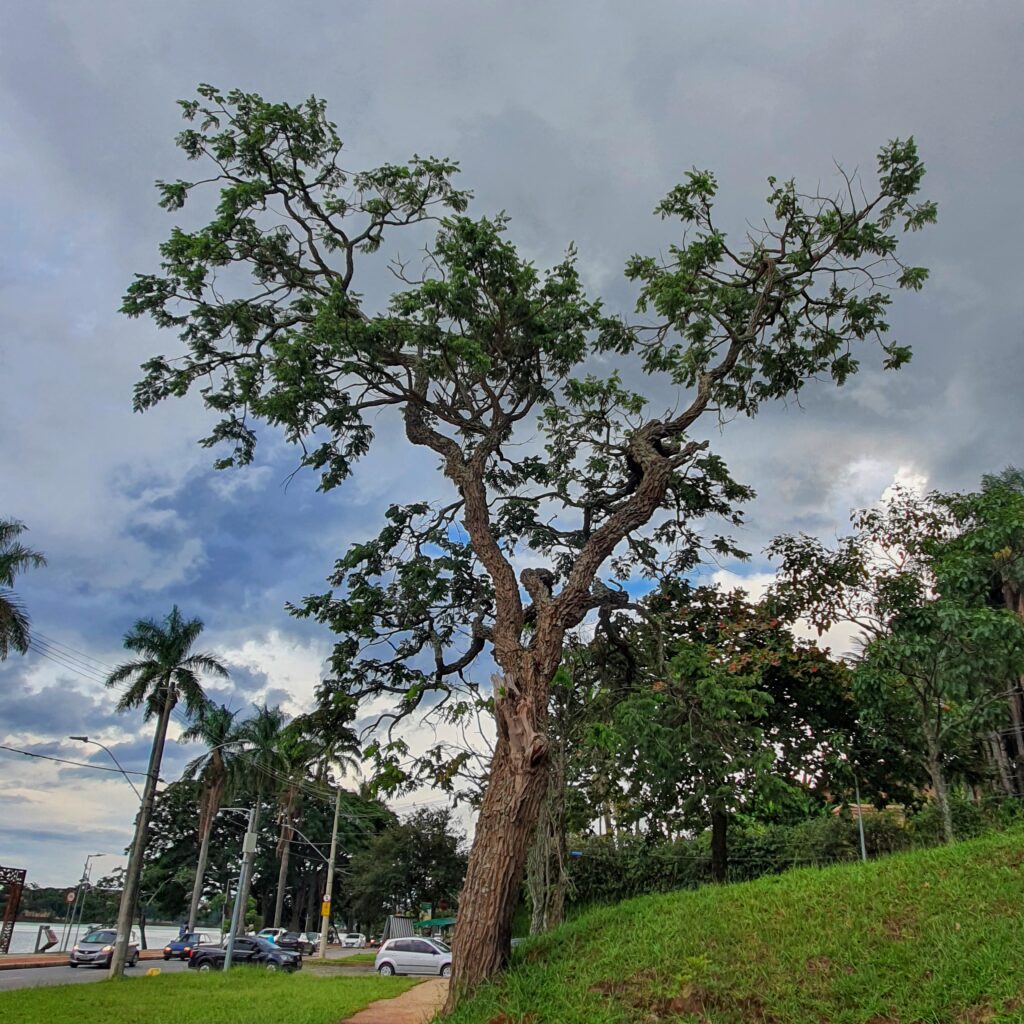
x=325, y=909
x=241, y=893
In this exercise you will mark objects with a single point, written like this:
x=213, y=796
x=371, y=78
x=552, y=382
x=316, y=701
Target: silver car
x=414, y=956
x=97, y=949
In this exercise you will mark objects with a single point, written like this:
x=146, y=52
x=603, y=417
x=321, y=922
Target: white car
x=353, y=940
x=414, y=956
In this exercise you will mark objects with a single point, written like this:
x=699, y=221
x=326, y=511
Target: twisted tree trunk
x=546, y=871
x=508, y=815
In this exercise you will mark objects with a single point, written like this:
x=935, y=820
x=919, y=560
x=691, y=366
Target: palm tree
x=296, y=753
x=15, y=558
x=215, y=727
x=259, y=741
x=165, y=671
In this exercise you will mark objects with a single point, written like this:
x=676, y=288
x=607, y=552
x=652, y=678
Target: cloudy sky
x=575, y=118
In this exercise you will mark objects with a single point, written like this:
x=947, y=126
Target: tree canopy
x=526, y=391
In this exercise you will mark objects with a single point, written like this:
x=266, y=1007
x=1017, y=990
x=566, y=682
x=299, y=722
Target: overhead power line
x=96, y=671
x=64, y=760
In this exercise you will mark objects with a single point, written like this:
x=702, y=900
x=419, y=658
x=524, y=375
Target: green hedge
x=615, y=868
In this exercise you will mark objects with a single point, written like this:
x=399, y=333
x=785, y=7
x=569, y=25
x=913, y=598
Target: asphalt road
x=30, y=977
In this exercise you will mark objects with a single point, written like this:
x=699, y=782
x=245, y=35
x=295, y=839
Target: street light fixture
x=85, y=739
x=78, y=907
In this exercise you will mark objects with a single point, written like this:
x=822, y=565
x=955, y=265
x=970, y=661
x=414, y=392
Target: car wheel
x=134, y=960
x=205, y=966
x=271, y=966
x=386, y=969
x=71, y=963
x=446, y=971
x=167, y=956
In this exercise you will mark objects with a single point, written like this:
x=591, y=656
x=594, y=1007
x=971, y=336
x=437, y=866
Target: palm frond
x=14, y=625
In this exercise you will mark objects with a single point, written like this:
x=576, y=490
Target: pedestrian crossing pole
x=325, y=908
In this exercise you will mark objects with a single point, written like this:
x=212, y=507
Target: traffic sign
x=69, y=896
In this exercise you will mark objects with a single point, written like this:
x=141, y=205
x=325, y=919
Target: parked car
x=249, y=949
x=353, y=940
x=182, y=946
x=97, y=949
x=414, y=956
x=374, y=941
x=297, y=942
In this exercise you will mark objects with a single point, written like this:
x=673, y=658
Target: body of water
x=25, y=932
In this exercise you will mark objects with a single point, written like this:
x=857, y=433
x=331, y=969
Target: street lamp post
x=96, y=743
x=79, y=896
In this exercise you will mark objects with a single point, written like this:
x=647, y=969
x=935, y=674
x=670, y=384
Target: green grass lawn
x=934, y=937
x=243, y=996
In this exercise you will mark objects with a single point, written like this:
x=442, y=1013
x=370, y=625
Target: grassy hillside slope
x=935, y=936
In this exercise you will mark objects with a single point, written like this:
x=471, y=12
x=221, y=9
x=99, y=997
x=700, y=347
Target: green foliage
x=925, y=936
x=421, y=859
x=917, y=577
x=711, y=702
x=510, y=376
x=192, y=998
x=167, y=669
x=15, y=558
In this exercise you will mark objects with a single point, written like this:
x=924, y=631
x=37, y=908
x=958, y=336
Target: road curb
x=21, y=963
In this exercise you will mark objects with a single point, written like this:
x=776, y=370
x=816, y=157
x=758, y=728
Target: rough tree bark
x=546, y=874
x=939, y=785
x=208, y=813
x=1001, y=763
x=133, y=872
x=284, y=848
x=511, y=805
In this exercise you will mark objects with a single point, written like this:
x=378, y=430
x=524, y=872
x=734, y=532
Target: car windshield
x=100, y=936
x=441, y=945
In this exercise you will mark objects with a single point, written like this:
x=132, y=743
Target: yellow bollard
x=152, y=972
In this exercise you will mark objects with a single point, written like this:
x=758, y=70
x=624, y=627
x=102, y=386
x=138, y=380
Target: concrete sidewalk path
x=417, y=1006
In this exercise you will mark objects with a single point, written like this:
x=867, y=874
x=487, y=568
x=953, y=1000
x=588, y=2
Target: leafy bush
x=613, y=868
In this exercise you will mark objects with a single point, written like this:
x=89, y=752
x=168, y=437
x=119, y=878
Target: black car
x=248, y=950
x=296, y=942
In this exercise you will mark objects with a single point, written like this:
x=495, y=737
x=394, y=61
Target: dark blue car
x=182, y=946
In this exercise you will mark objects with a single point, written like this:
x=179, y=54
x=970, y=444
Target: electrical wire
x=64, y=760
x=94, y=670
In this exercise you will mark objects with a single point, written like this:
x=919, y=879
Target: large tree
x=417, y=861
x=513, y=382
x=166, y=670
x=915, y=577
x=215, y=727
x=259, y=739
x=296, y=754
x=15, y=558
